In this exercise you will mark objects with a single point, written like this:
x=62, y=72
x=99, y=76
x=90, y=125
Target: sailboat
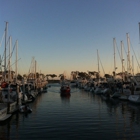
x=35, y=83
x=135, y=86
x=4, y=107
x=98, y=89
x=125, y=92
x=10, y=91
x=3, y=112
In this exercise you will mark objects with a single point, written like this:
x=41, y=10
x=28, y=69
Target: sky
x=64, y=35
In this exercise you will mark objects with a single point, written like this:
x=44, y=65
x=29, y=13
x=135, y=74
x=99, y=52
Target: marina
x=83, y=115
x=69, y=70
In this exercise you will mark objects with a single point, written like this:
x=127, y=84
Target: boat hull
x=134, y=98
x=65, y=91
x=3, y=114
x=25, y=109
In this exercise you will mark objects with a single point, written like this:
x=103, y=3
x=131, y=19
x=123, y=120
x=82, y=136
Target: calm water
x=82, y=116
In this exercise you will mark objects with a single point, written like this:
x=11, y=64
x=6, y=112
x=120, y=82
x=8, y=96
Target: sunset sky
x=64, y=35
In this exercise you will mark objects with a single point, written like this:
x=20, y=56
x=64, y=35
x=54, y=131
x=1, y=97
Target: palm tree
x=52, y=76
x=62, y=77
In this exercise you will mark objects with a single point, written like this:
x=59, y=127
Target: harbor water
x=82, y=116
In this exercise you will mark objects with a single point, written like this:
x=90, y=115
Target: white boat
x=9, y=90
x=25, y=109
x=134, y=98
x=126, y=93
x=98, y=90
x=121, y=94
x=92, y=89
x=116, y=94
x=3, y=113
x=9, y=95
x=124, y=97
x=87, y=86
x=106, y=92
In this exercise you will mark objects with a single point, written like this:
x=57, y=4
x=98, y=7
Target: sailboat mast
x=132, y=65
x=128, y=44
x=35, y=69
x=5, y=51
x=114, y=44
x=16, y=59
x=9, y=64
x=122, y=59
x=98, y=63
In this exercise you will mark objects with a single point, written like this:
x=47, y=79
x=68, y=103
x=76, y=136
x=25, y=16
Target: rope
x=134, y=54
x=118, y=51
x=101, y=65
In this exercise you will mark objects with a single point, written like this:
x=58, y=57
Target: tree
x=74, y=75
x=37, y=75
x=91, y=73
x=62, y=77
x=47, y=76
x=107, y=76
x=19, y=77
x=24, y=75
x=52, y=76
x=114, y=73
x=42, y=75
x=83, y=75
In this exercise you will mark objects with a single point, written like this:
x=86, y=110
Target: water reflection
x=15, y=120
x=134, y=113
x=7, y=126
x=82, y=115
x=5, y=131
x=65, y=99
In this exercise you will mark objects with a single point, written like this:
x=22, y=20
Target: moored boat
x=3, y=113
x=134, y=98
x=25, y=109
x=65, y=90
x=12, y=95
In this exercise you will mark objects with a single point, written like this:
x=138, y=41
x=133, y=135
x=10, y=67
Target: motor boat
x=25, y=109
x=65, y=90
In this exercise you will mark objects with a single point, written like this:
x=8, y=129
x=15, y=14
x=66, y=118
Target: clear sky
x=64, y=35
